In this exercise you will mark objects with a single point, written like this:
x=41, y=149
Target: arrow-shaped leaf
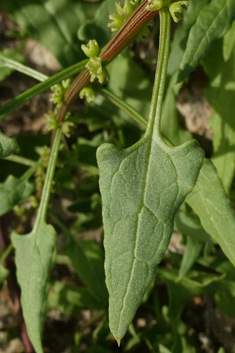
x=33, y=261
x=33, y=258
x=213, y=22
x=142, y=188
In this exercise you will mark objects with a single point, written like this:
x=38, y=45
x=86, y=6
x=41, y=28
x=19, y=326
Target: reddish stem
x=115, y=46
x=127, y=32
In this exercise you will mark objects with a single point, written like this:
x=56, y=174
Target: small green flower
x=117, y=22
x=57, y=95
x=177, y=10
x=19, y=210
x=127, y=9
x=145, y=30
x=67, y=128
x=96, y=69
x=51, y=121
x=44, y=153
x=88, y=94
x=154, y=5
x=92, y=49
x=124, y=12
x=33, y=201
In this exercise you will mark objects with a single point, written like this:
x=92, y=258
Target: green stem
x=6, y=253
x=49, y=179
x=30, y=171
x=120, y=103
x=32, y=92
x=160, y=76
x=21, y=160
x=15, y=65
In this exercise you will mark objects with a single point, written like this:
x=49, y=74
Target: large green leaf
x=142, y=188
x=220, y=93
x=33, y=261
x=7, y=146
x=54, y=23
x=213, y=22
x=12, y=191
x=209, y=200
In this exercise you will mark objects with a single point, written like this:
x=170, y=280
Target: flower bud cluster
x=176, y=8
x=94, y=65
x=58, y=90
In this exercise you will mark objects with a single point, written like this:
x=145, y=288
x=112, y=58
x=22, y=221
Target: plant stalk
x=161, y=71
x=115, y=46
x=42, y=211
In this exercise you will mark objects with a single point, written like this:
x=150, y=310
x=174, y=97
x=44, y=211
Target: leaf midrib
x=142, y=204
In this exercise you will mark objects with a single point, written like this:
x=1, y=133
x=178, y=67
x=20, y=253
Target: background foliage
x=189, y=307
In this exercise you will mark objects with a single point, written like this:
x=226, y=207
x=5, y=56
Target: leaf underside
x=33, y=260
x=142, y=188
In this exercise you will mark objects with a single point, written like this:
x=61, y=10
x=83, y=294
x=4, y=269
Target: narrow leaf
x=220, y=93
x=225, y=296
x=9, y=56
x=213, y=22
x=181, y=35
x=214, y=209
x=40, y=87
x=190, y=225
x=33, y=257
x=7, y=146
x=12, y=191
x=193, y=248
x=87, y=259
x=33, y=261
x=229, y=43
x=70, y=298
x=8, y=61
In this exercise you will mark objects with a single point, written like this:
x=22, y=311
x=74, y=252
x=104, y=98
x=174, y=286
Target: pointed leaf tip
x=142, y=188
